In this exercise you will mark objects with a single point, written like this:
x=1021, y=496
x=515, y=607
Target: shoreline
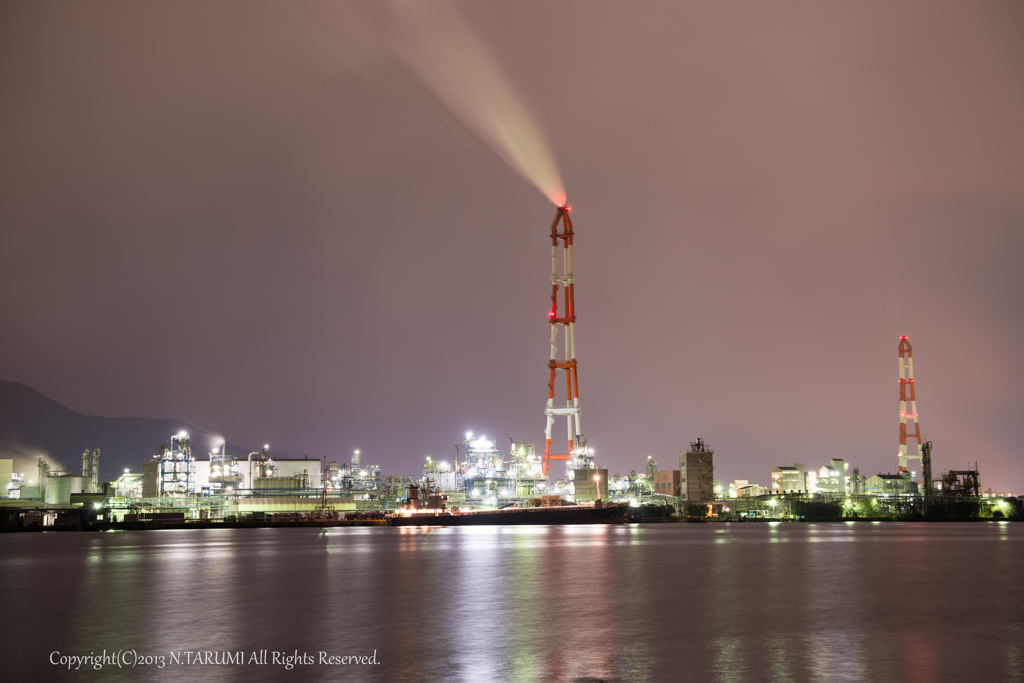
x=316, y=524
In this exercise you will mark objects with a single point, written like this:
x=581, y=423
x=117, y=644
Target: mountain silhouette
x=32, y=424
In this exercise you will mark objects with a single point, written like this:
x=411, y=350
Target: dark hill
x=32, y=424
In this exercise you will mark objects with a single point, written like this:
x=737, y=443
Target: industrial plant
x=174, y=485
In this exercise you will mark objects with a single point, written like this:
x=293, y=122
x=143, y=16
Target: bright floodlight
x=266, y=446
x=126, y=470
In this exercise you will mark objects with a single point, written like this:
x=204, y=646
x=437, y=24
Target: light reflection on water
x=747, y=602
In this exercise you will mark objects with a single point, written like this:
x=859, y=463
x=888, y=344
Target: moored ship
x=434, y=512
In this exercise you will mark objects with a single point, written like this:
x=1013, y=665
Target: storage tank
x=60, y=487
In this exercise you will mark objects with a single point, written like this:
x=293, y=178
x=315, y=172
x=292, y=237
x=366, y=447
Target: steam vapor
x=26, y=461
x=436, y=44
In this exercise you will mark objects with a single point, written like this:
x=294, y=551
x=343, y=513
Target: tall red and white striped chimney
x=565, y=321
x=908, y=404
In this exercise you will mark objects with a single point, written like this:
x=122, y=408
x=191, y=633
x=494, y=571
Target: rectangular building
x=150, y=479
x=750, y=491
x=697, y=473
x=890, y=485
x=832, y=478
x=666, y=482
x=789, y=479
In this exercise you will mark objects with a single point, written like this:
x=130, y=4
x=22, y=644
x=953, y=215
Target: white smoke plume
x=439, y=46
x=26, y=461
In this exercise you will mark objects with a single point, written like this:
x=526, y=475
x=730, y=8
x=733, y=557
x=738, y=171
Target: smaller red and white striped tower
x=561, y=236
x=908, y=404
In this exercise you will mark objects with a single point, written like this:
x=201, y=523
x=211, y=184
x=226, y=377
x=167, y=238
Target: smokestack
x=562, y=285
x=908, y=404
x=43, y=470
x=85, y=463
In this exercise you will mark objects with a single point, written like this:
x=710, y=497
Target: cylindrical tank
x=60, y=488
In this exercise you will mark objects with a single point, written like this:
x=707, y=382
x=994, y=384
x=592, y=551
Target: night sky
x=233, y=215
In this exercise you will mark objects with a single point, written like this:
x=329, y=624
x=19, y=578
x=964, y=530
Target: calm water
x=740, y=602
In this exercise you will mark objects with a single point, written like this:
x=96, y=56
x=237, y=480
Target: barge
x=434, y=512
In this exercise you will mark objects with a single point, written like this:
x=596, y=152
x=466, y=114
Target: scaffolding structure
x=225, y=476
x=177, y=468
x=525, y=468
x=482, y=474
x=962, y=482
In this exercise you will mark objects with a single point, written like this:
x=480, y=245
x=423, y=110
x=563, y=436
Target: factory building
x=480, y=475
x=128, y=485
x=151, y=479
x=303, y=470
x=742, y=488
x=667, y=482
x=697, y=473
x=891, y=484
x=56, y=487
x=176, y=472
x=831, y=478
x=750, y=491
x=442, y=475
x=789, y=479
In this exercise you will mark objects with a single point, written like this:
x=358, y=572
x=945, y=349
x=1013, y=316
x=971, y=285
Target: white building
x=832, y=478
x=789, y=479
x=891, y=484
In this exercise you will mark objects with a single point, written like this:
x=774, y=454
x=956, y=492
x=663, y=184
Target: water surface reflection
x=748, y=602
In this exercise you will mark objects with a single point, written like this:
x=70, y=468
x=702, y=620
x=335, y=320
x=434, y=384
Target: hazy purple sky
x=205, y=218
